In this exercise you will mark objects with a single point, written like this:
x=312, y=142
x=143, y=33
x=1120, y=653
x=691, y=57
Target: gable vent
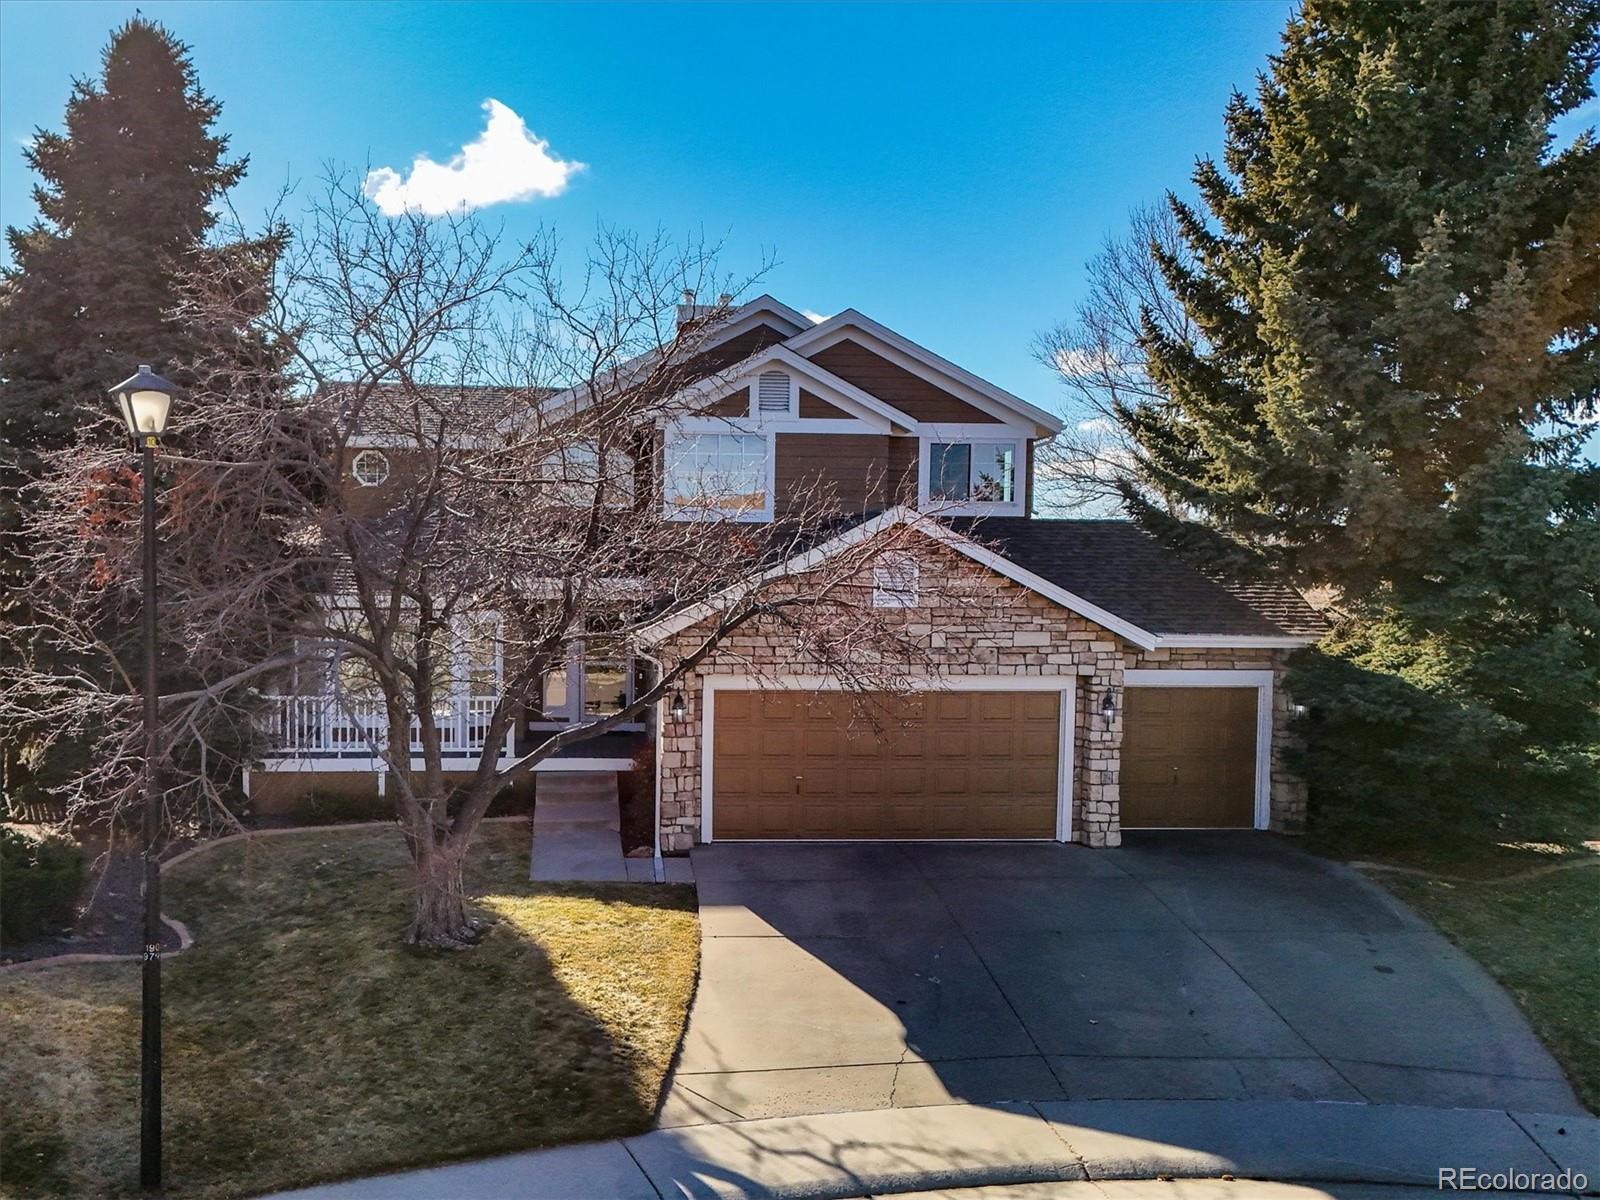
x=772, y=392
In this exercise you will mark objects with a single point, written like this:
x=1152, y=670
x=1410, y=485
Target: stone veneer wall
x=1005, y=630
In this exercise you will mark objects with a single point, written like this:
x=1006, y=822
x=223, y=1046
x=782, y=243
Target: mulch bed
x=111, y=913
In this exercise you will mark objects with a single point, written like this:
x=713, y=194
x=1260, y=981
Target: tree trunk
x=439, y=915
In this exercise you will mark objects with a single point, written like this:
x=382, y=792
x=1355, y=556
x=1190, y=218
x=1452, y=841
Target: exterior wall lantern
x=678, y=709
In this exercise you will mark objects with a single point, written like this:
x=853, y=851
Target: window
x=896, y=582
x=710, y=474
x=370, y=468
x=983, y=472
x=591, y=681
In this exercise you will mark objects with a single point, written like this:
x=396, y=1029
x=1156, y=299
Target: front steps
x=576, y=829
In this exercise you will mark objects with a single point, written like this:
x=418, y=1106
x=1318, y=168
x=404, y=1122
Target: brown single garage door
x=1188, y=758
x=951, y=765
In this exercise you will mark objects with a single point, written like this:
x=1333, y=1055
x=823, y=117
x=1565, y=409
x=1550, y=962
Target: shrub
x=1385, y=756
x=40, y=878
x=319, y=807
x=636, y=795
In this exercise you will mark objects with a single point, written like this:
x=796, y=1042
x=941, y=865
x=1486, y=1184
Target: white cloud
x=815, y=318
x=1084, y=364
x=507, y=162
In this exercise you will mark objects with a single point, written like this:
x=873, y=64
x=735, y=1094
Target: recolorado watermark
x=1472, y=1179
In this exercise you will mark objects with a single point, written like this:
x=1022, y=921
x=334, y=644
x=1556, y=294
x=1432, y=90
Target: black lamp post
x=145, y=400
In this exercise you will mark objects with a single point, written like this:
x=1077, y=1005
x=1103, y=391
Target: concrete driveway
x=1182, y=966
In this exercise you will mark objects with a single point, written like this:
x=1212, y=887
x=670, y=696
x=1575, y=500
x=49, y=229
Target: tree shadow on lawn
x=305, y=1043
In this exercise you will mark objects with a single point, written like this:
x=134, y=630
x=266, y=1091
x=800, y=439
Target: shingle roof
x=1120, y=568
x=402, y=410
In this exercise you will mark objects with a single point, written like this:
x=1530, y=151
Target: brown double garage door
x=941, y=765
x=809, y=765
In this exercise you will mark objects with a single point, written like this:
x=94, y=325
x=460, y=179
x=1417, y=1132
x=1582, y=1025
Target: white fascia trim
x=402, y=441
x=745, y=317
x=919, y=360
x=1261, y=681
x=1233, y=641
x=677, y=622
x=1066, y=685
x=882, y=417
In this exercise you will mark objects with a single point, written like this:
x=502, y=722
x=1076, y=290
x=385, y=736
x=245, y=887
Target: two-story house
x=1119, y=688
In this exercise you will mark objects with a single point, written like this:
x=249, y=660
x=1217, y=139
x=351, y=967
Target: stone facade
x=971, y=622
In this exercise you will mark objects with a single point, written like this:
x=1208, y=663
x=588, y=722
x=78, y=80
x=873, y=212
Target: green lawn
x=304, y=1043
x=1537, y=932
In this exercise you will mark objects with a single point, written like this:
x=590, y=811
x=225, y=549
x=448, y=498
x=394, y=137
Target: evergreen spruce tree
x=1399, y=284
x=1396, y=283
x=126, y=191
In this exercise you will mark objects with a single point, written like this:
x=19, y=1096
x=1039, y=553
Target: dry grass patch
x=305, y=1043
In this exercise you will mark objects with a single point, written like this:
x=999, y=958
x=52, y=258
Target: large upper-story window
x=972, y=472
x=716, y=474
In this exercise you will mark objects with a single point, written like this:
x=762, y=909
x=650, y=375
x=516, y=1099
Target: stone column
x=1099, y=754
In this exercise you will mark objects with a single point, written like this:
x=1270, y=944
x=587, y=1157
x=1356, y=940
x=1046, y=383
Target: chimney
x=688, y=310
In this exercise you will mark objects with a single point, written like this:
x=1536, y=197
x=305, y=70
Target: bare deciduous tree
x=1099, y=357
x=520, y=418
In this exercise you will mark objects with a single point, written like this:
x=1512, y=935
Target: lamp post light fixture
x=146, y=400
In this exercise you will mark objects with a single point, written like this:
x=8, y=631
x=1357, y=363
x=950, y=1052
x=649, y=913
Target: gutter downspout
x=657, y=867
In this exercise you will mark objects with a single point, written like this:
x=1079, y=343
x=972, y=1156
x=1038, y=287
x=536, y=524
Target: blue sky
x=946, y=169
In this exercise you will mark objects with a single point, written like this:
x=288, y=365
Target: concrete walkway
x=576, y=830
x=893, y=1151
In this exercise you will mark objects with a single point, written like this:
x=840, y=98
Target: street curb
x=837, y=1156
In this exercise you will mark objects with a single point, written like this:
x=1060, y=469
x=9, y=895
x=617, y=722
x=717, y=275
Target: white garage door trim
x=1262, y=682
x=1066, y=685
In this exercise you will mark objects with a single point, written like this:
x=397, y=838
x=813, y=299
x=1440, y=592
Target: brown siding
x=816, y=406
x=405, y=467
x=720, y=358
x=881, y=378
x=902, y=470
x=853, y=468
x=735, y=404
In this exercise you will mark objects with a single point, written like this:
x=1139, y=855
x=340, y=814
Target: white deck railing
x=331, y=726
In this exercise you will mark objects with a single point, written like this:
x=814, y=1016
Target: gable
x=736, y=349
x=813, y=405
x=889, y=382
